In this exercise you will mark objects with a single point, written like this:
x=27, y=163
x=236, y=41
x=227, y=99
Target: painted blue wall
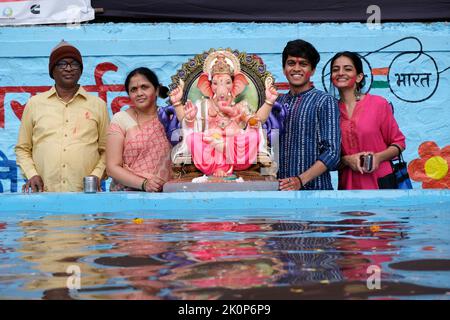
x=200, y=205
x=421, y=107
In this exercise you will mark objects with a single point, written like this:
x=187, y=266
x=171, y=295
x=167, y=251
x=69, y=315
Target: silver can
x=90, y=184
x=367, y=162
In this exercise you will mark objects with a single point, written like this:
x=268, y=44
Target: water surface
x=282, y=254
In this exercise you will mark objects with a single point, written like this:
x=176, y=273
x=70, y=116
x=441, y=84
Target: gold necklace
x=137, y=117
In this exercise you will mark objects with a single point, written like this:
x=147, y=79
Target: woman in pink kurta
x=367, y=125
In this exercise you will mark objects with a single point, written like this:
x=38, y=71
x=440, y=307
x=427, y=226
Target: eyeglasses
x=73, y=65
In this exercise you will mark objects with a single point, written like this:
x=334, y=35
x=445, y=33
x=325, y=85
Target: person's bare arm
x=271, y=97
x=385, y=155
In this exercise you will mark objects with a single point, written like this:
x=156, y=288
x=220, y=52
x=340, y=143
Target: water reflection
x=174, y=259
x=52, y=244
x=300, y=253
x=3, y=249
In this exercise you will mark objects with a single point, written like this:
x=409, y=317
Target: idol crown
x=221, y=66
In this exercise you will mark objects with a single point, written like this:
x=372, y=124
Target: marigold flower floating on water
x=432, y=168
x=138, y=220
x=375, y=228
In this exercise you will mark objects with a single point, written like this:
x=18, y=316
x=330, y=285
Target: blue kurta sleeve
x=275, y=122
x=168, y=119
x=329, y=133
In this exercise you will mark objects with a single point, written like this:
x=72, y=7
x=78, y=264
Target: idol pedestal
x=225, y=186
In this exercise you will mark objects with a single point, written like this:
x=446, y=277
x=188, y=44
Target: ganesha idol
x=222, y=129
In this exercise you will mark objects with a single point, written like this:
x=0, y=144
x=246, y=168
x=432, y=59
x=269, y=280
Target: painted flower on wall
x=432, y=168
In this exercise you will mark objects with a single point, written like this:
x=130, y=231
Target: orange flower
x=432, y=168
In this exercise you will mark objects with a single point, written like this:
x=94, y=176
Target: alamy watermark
x=74, y=280
x=374, y=279
x=374, y=20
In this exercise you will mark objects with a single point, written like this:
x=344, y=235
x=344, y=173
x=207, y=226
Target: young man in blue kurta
x=310, y=140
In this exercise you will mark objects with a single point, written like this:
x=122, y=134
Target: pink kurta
x=372, y=128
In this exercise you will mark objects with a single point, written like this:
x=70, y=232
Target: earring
x=357, y=94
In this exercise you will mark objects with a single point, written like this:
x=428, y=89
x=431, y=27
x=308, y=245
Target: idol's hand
x=176, y=94
x=229, y=110
x=190, y=110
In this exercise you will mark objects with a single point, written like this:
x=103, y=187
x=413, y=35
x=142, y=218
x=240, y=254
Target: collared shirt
x=63, y=141
x=311, y=132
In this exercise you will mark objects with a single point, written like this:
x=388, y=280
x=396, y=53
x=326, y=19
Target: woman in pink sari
x=367, y=125
x=137, y=149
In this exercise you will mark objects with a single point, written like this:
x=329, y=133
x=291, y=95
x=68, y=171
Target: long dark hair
x=151, y=76
x=357, y=63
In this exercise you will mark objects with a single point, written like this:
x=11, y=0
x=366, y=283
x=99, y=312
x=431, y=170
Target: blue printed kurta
x=311, y=132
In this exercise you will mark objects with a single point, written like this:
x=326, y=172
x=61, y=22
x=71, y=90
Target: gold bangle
x=268, y=102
